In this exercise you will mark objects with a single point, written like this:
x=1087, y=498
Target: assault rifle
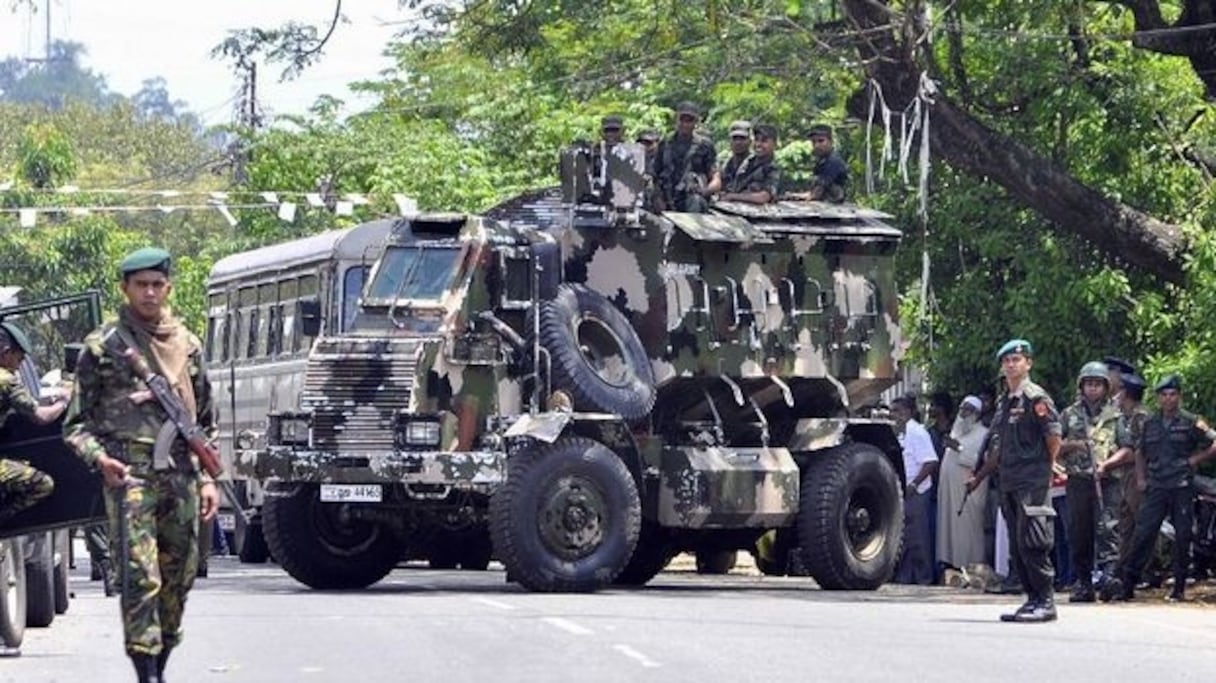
x=181, y=419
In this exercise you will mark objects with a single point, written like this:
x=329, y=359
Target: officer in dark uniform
x=686, y=167
x=1027, y=429
x=1173, y=443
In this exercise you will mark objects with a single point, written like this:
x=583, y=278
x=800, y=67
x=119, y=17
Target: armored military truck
x=596, y=386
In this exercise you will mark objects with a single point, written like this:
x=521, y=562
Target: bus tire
x=567, y=518
x=63, y=595
x=320, y=547
x=596, y=355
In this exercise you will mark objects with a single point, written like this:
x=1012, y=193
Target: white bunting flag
x=219, y=196
x=80, y=211
x=356, y=198
x=69, y=189
x=287, y=212
x=344, y=209
x=271, y=197
x=405, y=205
x=314, y=199
x=27, y=217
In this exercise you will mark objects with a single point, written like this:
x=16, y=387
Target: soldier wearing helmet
x=21, y=486
x=1089, y=440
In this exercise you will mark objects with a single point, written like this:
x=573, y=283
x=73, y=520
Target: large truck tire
x=596, y=355
x=63, y=558
x=40, y=582
x=652, y=554
x=12, y=592
x=850, y=518
x=567, y=518
x=319, y=546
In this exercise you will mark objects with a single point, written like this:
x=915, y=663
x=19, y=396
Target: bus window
x=209, y=344
x=352, y=287
x=247, y=300
x=289, y=291
x=309, y=288
x=274, y=331
x=254, y=327
x=267, y=298
x=225, y=332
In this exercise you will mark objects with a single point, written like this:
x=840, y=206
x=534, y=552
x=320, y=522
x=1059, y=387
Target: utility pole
x=248, y=119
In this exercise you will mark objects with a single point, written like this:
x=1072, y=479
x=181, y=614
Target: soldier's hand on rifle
x=972, y=483
x=113, y=471
x=208, y=500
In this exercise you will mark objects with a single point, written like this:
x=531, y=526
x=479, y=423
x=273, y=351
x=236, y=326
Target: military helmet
x=11, y=337
x=1094, y=370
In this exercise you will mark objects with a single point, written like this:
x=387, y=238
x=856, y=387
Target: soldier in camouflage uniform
x=1090, y=426
x=757, y=179
x=1121, y=466
x=687, y=165
x=21, y=486
x=154, y=506
x=740, y=152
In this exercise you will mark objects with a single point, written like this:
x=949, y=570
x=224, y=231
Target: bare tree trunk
x=967, y=144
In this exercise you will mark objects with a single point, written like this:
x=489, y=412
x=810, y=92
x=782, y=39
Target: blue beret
x=148, y=258
x=1169, y=382
x=1015, y=346
x=1119, y=364
x=1132, y=381
x=17, y=337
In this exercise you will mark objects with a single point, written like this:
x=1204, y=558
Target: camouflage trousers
x=156, y=568
x=21, y=487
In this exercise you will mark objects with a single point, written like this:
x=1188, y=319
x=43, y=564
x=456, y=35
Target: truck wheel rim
x=571, y=518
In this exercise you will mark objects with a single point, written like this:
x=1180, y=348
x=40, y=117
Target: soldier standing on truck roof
x=687, y=165
x=154, y=506
x=756, y=182
x=21, y=486
x=831, y=174
x=1027, y=428
x=740, y=152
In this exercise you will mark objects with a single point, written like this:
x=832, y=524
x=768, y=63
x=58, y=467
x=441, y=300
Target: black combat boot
x=161, y=660
x=145, y=668
x=1083, y=592
x=1044, y=610
x=1025, y=608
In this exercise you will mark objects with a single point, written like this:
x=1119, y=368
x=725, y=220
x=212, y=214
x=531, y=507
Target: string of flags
x=285, y=203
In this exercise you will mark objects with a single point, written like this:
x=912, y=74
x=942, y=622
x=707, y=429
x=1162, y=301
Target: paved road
x=252, y=623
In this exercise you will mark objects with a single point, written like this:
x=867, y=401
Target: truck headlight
x=289, y=429
x=418, y=433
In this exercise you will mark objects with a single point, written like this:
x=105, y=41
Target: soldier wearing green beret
x=1172, y=445
x=1027, y=430
x=155, y=502
x=21, y=486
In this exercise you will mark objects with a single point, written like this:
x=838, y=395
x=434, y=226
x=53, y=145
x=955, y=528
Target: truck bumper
x=479, y=471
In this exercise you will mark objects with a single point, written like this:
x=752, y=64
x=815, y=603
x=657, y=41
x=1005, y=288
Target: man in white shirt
x=920, y=462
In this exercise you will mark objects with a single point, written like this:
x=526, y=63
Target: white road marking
x=493, y=603
x=636, y=656
x=568, y=626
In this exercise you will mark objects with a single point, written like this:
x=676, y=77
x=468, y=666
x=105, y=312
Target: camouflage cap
x=13, y=336
x=648, y=135
x=1170, y=382
x=147, y=258
x=688, y=108
x=1015, y=346
x=612, y=121
x=741, y=128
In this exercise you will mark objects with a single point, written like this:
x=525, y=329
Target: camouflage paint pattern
x=161, y=556
x=781, y=318
x=21, y=487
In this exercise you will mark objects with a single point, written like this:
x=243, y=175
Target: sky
x=128, y=41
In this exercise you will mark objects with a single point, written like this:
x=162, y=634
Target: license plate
x=351, y=493
x=227, y=521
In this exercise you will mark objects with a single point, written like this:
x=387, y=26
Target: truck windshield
x=413, y=272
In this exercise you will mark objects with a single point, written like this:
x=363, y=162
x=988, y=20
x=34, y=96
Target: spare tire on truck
x=596, y=355
x=567, y=518
x=851, y=518
x=320, y=546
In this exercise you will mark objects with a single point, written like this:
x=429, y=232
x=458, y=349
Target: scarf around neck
x=168, y=343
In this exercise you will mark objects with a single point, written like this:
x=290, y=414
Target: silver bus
x=261, y=304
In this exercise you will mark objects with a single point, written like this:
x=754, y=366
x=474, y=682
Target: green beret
x=17, y=337
x=1170, y=382
x=1015, y=346
x=148, y=258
